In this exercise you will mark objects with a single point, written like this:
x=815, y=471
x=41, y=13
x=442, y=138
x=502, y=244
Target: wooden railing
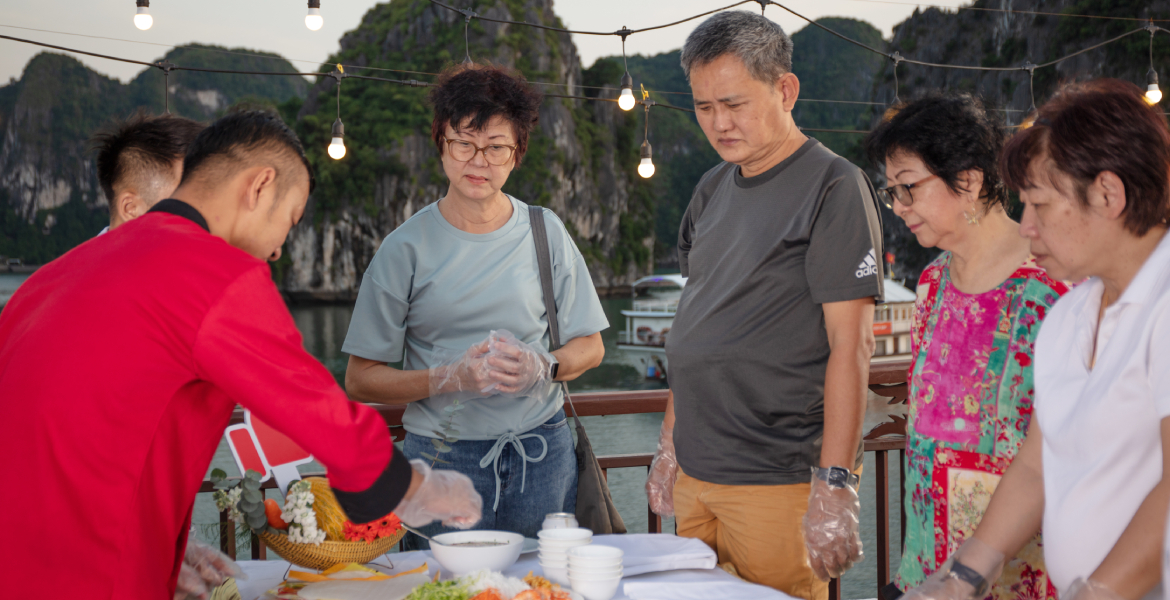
x=885, y=379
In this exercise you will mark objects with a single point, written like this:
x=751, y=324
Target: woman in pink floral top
x=979, y=308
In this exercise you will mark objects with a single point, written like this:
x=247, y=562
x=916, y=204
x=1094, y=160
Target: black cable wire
x=563, y=30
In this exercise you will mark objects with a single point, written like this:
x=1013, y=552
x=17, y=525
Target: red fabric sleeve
x=249, y=347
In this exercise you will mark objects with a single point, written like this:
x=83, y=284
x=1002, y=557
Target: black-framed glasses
x=901, y=193
x=494, y=154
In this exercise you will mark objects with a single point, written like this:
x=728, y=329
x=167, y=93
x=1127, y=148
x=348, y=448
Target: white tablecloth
x=265, y=575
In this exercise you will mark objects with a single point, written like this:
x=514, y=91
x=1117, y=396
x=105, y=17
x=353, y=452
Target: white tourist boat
x=649, y=320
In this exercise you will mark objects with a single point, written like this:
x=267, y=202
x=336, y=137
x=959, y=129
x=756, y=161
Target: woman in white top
x=1092, y=173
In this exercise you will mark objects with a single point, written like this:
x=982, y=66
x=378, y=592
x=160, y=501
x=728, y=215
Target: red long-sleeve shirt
x=120, y=365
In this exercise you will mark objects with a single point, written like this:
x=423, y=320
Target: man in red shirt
x=121, y=363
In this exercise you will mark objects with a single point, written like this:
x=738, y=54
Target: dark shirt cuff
x=383, y=496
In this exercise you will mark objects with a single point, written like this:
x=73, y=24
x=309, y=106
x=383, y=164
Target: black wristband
x=964, y=573
x=383, y=496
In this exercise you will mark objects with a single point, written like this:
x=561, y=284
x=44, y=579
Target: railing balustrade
x=887, y=379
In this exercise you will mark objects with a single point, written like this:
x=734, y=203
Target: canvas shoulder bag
x=595, y=508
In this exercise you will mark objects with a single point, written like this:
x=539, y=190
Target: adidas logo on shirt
x=868, y=266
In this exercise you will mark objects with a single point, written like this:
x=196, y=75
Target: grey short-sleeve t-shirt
x=433, y=290
x=748, y=347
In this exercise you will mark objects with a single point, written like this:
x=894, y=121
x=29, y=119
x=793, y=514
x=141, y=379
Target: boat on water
x=656, y=297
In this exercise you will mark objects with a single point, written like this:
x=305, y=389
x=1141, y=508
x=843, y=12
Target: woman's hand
x=468, y=372
x=518, y=369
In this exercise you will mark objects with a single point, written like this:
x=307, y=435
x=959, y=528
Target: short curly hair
x=1096, y=126
x=471, y=95
x=950, y=133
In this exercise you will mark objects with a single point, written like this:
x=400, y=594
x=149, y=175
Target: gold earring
x=972, y=217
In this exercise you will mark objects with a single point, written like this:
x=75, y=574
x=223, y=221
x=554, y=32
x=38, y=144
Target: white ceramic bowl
x=563, y=535
x=595, y=589
x=556, y=575
x=595, y=553
x=461, y=560
x=564, y=545
x=562, y=559
x=597, y=573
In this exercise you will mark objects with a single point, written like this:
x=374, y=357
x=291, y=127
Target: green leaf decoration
x=451, y=409
x=257, y=521
x=434, y=458
x=437, y=443
x=445, y=449
x=246, y=506
x=250, y=484
x=225, y=485
x=253, y=496
x=218, y=475
x=450, y=439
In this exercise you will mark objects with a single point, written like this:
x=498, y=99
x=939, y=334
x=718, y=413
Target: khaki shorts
x=754, y=528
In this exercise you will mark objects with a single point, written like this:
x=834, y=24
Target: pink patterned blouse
x=970, y=405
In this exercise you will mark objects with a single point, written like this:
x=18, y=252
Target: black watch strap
x=553, y=369
x=964, y=573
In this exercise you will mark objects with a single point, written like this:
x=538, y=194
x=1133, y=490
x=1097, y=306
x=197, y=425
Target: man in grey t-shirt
x=769, y=351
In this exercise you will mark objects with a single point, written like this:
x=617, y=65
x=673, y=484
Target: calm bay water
x=324, y=329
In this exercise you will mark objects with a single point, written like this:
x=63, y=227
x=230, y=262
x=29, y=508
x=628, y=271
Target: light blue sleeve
x=377, y=330
x=579, y=310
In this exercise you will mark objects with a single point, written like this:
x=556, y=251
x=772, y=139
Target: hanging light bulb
x=646, y=167
x=337, y=146
x=1153, y=94
x=313, y=20
x=142, y=18
x=626, y=99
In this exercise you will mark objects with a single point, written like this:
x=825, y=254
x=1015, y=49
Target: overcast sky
x=278, y=26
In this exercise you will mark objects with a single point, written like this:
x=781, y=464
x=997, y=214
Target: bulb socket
x=143, y=4
x=645, y=151
x=338, y=129
x=315, y=4
x=1151, y=77
x=627, y=81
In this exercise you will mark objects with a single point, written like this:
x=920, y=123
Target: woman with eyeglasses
x=979, y=308
x=458, y=271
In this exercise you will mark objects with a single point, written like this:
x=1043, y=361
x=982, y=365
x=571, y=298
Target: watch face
x=838, y=477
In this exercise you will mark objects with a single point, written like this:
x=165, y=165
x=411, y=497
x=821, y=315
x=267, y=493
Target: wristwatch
x=553, y=367
x=836, y=477
x=970, y=576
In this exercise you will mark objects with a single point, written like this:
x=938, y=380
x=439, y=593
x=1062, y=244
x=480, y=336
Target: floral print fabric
x=970, y=403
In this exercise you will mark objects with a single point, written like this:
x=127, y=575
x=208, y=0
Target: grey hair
x=760, y=43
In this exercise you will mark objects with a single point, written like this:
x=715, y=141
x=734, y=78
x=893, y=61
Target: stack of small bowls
x=554, y=550
x=595, y=571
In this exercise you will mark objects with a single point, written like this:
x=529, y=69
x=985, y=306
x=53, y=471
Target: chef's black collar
x=181, y=209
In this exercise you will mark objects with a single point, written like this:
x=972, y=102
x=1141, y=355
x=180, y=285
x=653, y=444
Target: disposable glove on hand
x=831, y=532
x=1088, y=589
x=203, y=569
x=518, y=369
x=663, y=473
x=466, y=373
x=443, y=495
x=975, y=560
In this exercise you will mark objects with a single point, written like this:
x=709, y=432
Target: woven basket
x=326, y=554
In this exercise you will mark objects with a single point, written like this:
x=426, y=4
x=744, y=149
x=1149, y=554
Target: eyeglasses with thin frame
x=901, y=193
x=495, y=154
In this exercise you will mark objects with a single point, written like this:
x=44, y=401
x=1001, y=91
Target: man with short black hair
x=113, y=452
x=140, y=161
x=770, y=347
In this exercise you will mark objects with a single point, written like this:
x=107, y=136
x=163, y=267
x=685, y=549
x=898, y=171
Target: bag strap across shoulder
x=544, y=261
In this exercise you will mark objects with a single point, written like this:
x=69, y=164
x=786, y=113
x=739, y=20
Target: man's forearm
x=846, y=383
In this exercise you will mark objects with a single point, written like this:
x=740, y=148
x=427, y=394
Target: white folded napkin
x=653, y=552
x=691, y=590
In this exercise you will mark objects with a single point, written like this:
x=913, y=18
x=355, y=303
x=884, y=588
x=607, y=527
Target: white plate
x=530, y=545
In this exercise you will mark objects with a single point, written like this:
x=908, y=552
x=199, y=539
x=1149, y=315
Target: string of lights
x=625, y=100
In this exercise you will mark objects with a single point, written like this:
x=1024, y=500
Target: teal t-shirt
x=433, y=290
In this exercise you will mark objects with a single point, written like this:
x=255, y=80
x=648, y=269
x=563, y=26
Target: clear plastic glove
x=204, y=568
x=831, y=531
x=445, y=496
x=944, y=584
x=518, y=369
x=466, y=373
x=1088, y=589
x=663, y=473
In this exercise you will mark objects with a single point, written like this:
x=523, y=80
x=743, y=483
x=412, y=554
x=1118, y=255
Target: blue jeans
x=549, y=484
